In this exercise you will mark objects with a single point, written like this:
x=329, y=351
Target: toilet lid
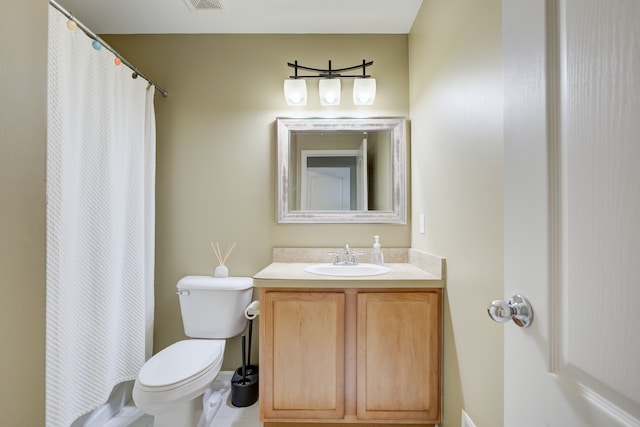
x=180, y=362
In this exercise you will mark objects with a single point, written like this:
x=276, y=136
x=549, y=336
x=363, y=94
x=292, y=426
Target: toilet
x=169, y=384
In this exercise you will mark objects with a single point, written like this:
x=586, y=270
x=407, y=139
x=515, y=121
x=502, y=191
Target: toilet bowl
x=169, y=384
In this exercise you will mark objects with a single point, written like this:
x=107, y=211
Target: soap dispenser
x=376, y=255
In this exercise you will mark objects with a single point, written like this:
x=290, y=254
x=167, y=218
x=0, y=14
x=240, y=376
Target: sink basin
x=347, y=270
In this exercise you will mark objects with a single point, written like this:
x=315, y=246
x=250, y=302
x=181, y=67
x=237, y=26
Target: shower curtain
x=100, y=224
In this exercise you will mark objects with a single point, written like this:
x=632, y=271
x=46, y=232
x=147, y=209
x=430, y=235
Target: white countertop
x=402, y=275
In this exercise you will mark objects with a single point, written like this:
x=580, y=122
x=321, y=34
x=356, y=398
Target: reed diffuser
x=222, y=270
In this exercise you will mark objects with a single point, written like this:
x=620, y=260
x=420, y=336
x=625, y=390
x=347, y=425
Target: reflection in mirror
x=341, y=170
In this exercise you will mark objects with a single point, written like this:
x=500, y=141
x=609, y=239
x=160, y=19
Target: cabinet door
x=398, y=356
x=303, y=353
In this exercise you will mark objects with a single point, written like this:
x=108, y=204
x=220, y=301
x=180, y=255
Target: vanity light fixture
x=364, y=86
x=329, y=90
x=295, y=91
x=364, y=91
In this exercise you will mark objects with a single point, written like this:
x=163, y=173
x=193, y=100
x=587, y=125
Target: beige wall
x=456, y=113
x=23, y=62
x=217, y=145
x=216, y=180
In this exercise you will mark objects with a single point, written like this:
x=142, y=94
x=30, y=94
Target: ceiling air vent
x=204, y=4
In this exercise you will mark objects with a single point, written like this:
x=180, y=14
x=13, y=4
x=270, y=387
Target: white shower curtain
x=100, y=224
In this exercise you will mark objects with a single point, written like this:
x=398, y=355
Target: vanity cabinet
x=338, y=356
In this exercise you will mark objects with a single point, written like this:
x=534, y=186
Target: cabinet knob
x=517, y=309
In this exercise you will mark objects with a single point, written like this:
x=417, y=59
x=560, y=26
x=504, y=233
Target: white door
x=572, y=211
x=361, y=177
x=327, y=189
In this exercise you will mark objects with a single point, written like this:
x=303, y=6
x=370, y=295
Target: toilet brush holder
x=244, y=383
x=244, y=389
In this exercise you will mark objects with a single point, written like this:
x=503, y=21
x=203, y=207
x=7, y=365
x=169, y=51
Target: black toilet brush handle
x=244, y=339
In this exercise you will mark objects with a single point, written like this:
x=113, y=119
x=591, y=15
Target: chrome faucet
x=349, y=257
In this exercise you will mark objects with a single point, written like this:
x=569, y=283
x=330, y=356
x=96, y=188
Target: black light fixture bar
x=330, y=72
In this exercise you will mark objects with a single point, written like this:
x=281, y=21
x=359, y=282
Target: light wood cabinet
x=361, y=356
x=302, y=355
x=398, y=357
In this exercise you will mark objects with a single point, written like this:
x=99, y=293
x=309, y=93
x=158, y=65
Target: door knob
x=517, y=309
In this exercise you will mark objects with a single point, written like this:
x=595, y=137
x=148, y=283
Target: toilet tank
x=214, y=307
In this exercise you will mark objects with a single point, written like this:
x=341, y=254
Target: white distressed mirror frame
x=397, y=127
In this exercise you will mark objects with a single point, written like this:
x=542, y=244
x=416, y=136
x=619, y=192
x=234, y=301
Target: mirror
x=341, y=170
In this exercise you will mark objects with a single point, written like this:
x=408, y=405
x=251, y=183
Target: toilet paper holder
x=252, y=310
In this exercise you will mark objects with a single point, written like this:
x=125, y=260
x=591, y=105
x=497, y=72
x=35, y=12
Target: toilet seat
x=180, y=363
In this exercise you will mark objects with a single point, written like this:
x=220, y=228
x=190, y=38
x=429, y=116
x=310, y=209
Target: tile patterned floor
x=226, y=416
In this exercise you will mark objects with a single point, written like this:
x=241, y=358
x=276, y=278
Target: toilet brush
x=244, y=366
x=250, y=369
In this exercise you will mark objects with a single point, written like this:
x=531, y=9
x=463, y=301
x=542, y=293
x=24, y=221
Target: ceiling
x=245, y=16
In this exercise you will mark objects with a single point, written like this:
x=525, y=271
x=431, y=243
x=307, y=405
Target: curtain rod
x=94, y=36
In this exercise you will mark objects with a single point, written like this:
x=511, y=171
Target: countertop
x=411, y=269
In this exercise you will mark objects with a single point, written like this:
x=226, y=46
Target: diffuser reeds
x=216, y=250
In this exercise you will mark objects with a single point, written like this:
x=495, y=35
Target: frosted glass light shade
x=329, y=91
x=364, y=91
x=295, y=91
